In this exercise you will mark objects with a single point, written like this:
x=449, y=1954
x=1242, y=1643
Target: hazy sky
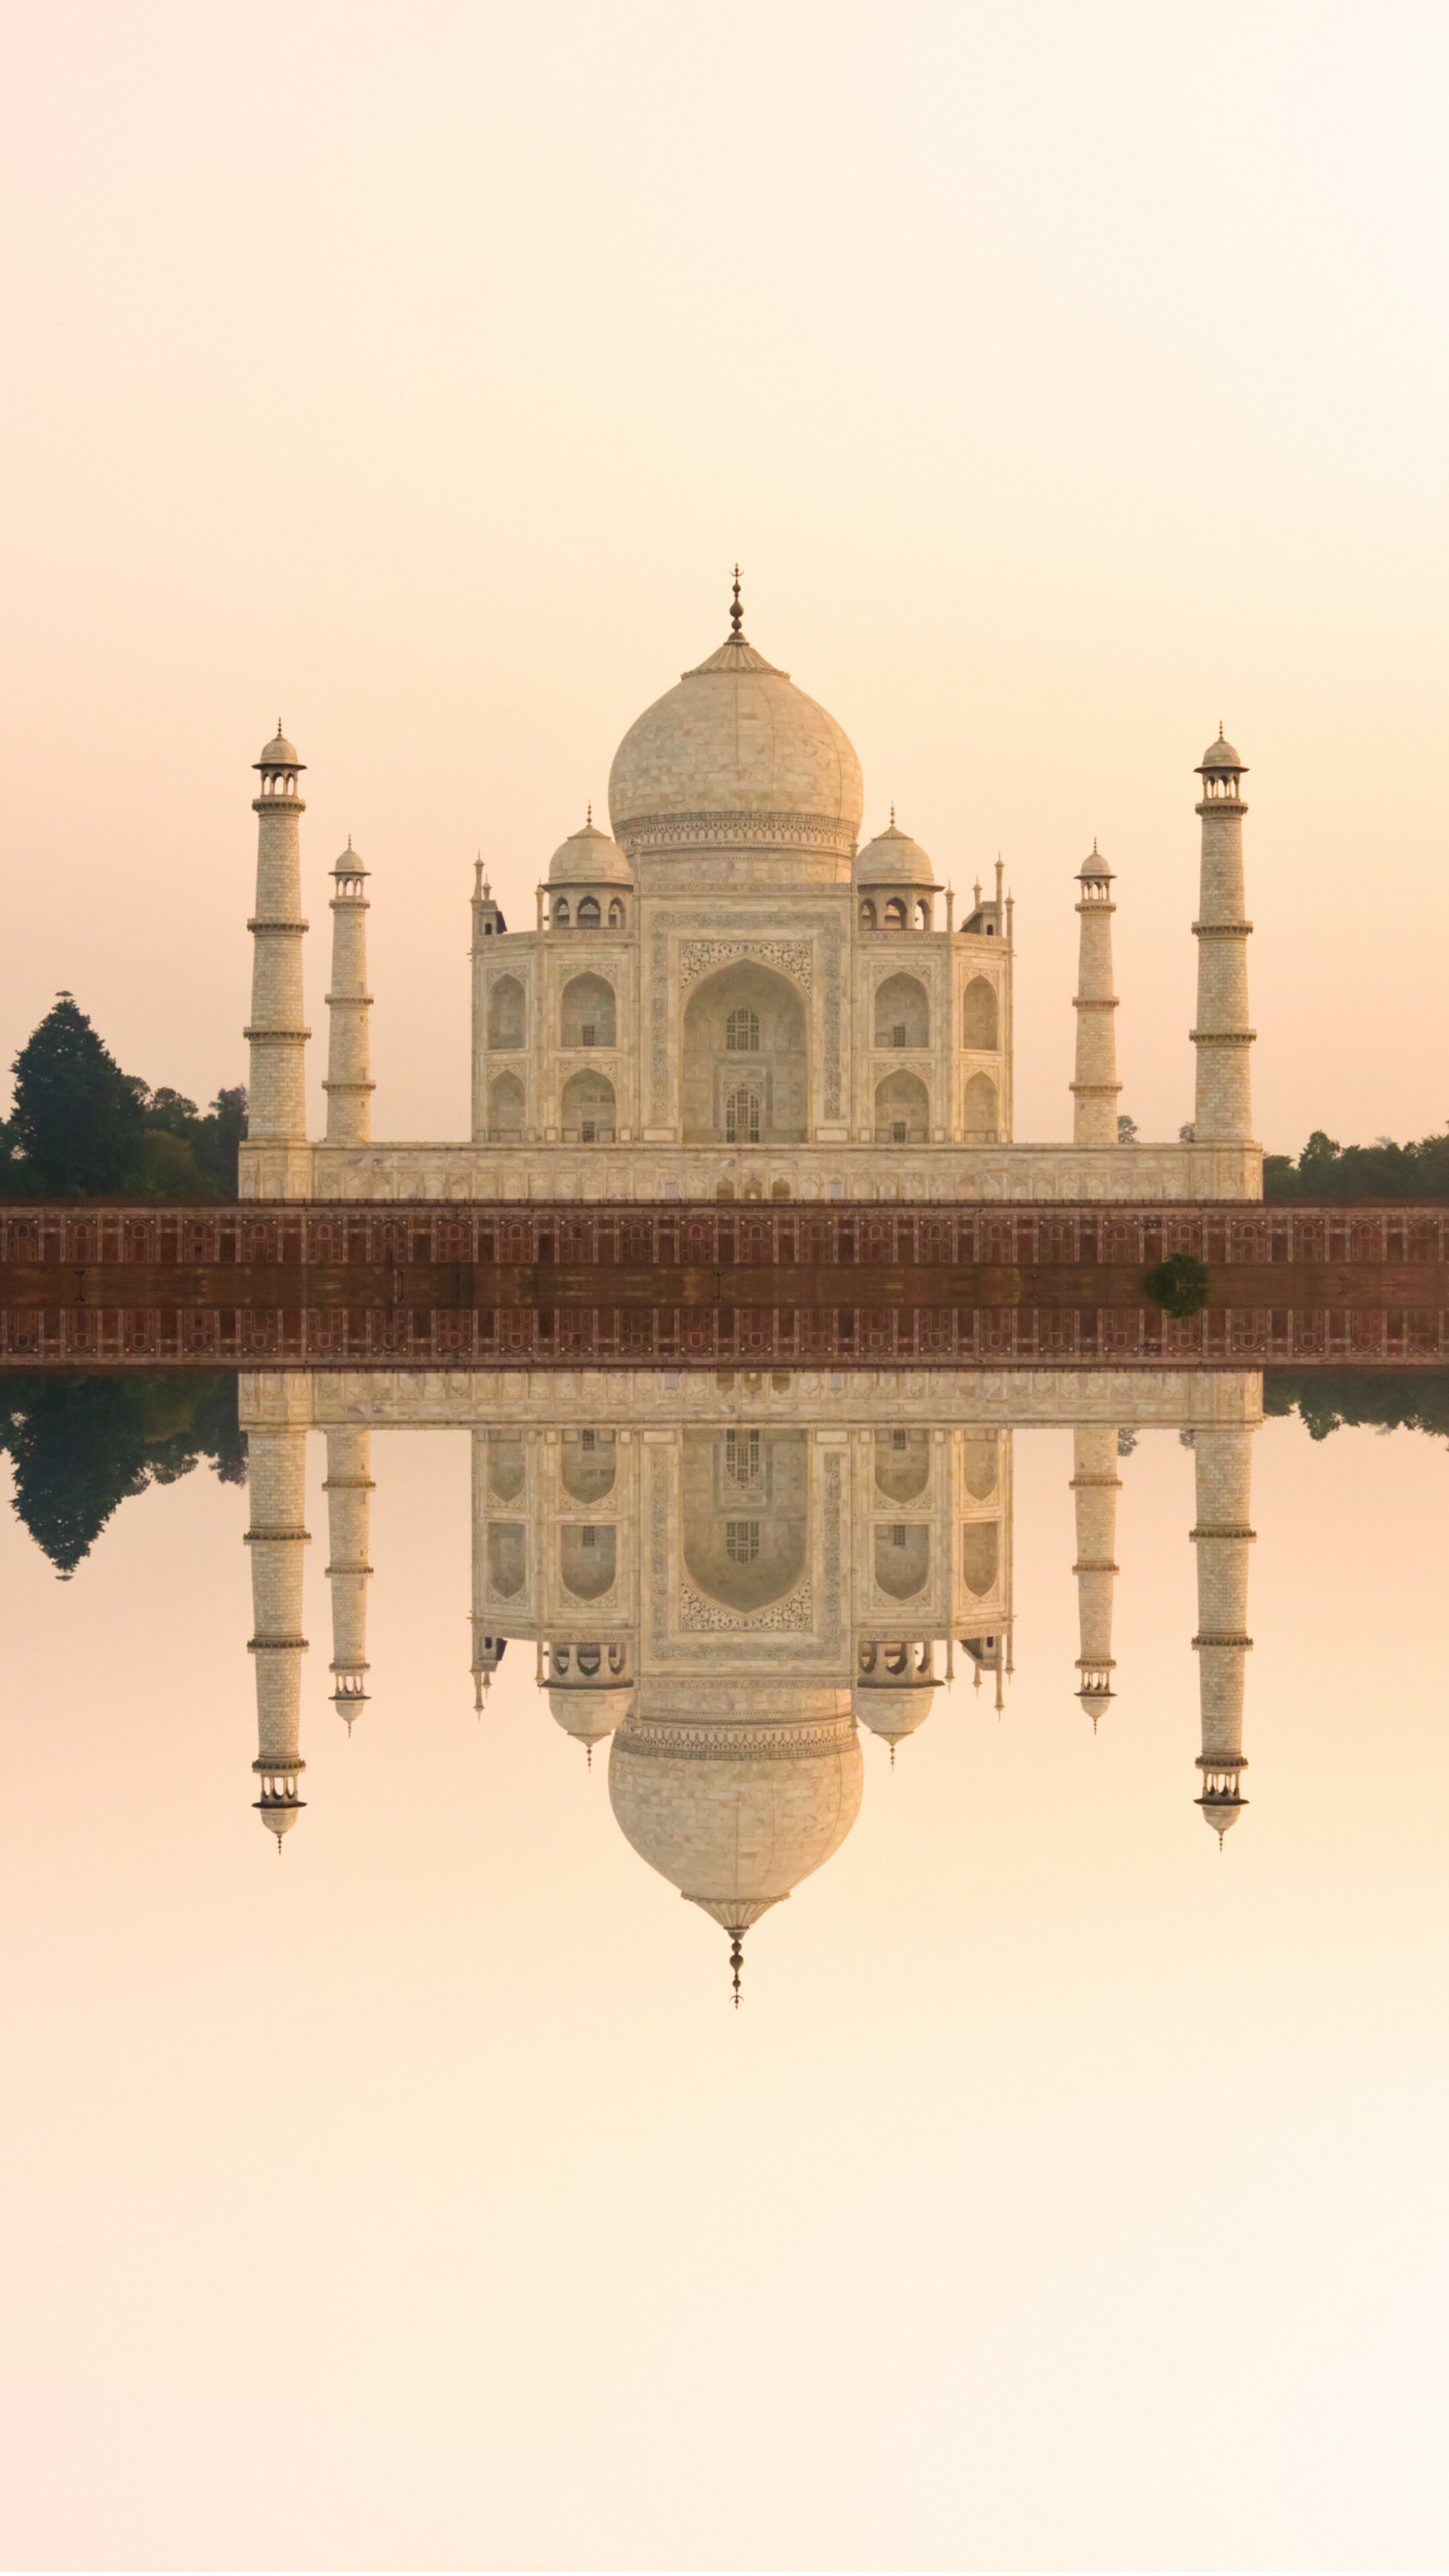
x=1065, y=377
x=1066, y=2194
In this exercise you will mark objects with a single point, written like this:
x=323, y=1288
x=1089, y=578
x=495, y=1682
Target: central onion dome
x=734, y=1809
x=736, y=757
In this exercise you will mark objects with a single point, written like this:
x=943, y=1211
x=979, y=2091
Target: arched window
x=978, y=1015
x=559, y=912
x=506, y=1012
x=588, y=1109
x=902, y=1110
x=745, y=1016
x=505, y=1109
x=742, y=1118
x=589, y=914
x=586, y=1012
x=616, y=914
x=902, y=1014
x=978, y=1108
x=867, y=914
x=895, y=914
x=742, y=1032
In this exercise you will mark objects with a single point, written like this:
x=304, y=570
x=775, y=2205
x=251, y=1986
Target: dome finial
x=737, y=614
x=737, y=1959
x=893, y=818
x=589, y=814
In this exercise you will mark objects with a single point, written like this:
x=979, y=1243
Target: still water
x=390, y=2177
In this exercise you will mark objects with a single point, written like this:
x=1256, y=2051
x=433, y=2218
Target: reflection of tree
x=79, y=1445
x=1329, y=1399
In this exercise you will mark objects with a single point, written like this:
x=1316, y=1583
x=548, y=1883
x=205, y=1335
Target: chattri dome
x=893, y=858
x=1220, y=755
x=736, y=742
x=589, y=857
x=588, y=1713
x=279, y=753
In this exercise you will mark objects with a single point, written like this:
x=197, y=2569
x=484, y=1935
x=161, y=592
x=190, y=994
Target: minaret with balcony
x=349, y=1086
x=275, y=1161
x=1224, y=1107
x=1096, y=1089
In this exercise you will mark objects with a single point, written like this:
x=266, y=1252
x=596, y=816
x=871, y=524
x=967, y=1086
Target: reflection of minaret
x=1096, y=1088
x=276, y=1475
x=349, y=1482
x=1096, y=1484
x=1224, y=1462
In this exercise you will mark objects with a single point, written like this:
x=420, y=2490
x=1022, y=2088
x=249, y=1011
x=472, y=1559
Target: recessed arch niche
x=505, y=1109
x=507, y=1012
x=979, y=1016
x=902, y=1110
x=721, y=1076
x=586, y=1012
x=587, y=1108
x=745, y=1514
x=978, y=1107
x=902, y=1012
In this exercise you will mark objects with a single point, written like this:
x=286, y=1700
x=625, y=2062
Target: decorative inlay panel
x=791, y=1615
x=702, y=956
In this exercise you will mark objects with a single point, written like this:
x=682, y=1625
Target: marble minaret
x=348, y=1487
x=348, y=1085
x=1224, y=1464
x=276, y=1476
x=1224, y=1110
x=1096, y=1089
x=1096, y=1485
x=277, y=1034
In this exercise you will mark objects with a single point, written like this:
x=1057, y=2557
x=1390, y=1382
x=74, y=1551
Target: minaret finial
x=737, y=614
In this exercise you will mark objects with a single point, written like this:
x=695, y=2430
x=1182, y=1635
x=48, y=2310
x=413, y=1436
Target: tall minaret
x=1222, y=1037
x=349, y=1483
x=348, y=1087
x=277, y=1111
x=1224, y=1461
x=1096, y=1484
x=276, y=1476
x=1096, y=1089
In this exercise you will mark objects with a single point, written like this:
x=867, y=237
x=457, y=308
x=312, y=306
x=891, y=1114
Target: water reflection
x=727, y=1578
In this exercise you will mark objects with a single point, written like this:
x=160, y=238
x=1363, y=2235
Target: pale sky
x=1065, y=377
x=1066, y=2193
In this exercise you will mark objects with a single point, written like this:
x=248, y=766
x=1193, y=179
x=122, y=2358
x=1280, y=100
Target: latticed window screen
x=742, y=1118
x=589, y=1034
x=742, y=1456
x=586, y=1131
x=588, y=1538
x=898, y=1439
x=898, y=1534
x=742, y=1541
x=589, y=1439
x=898, y=1033
x=742, y=1032
x=898, y=1131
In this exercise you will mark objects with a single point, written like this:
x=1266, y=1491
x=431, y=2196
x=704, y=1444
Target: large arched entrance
x=746, y=1065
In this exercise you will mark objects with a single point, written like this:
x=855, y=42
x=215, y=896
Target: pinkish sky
x=1066, y=2194
x=1065, y=377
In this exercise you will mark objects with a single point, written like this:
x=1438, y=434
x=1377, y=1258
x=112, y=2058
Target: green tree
x=78, y=1120
x=81, y=1445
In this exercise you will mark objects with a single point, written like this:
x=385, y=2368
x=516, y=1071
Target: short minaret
x=276, y=1476
x=277, y=1110
x=1096, y=1485
x=1224, y=1110
x=348, y=1487
x=1096, y=1089
x=348, y=1086
x=1224, y=1463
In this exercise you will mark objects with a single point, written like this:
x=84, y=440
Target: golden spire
x=737, y=614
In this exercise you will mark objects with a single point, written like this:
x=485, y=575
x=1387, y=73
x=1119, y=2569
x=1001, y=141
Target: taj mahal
x=727, y=994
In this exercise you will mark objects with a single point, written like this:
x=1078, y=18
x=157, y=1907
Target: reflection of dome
x=893, y=858
x=278, y=1815
x=588, y=1715
x=589, y=857
x=1220, y=1812
x=736, y=738
x=1219, y=755
x=736, y=1803
x=893, y=1710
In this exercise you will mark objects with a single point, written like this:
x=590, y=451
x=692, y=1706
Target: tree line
x=81, y=1128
